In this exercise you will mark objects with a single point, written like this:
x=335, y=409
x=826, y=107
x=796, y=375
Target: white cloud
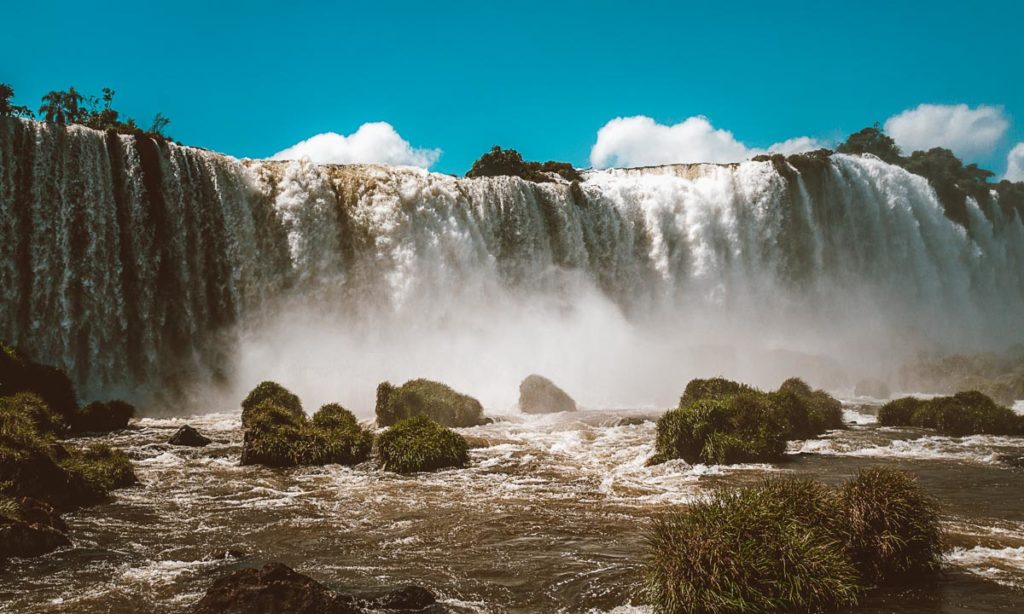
x=968, y=132
x=372, y=143
x=1015, y=164
x=641, y=141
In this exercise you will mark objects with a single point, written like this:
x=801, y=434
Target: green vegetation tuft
x=788, y=545
x=274, y=393
x=278, y=436
x=420, y=444
x=890, y=526
x=965, y=413
x=421, y=397
x=725, y=422
x=508, y=162
x=32, y=406
x=34, y=464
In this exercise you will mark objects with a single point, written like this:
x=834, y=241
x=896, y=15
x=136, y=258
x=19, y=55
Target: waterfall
x=144, y=268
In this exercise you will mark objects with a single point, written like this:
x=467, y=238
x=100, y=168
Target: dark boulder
x=277, y=588
x=272, y=588
x=188, y=436
x=539, y=395
x=19, y=374
x=103, y=417
x=29, y=527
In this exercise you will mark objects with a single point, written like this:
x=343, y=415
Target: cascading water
x=148, y=268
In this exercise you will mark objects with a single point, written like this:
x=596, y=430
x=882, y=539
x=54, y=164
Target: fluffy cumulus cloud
x=968, y=132
x=641, y=141
x=1015, y=164
x=372, y=143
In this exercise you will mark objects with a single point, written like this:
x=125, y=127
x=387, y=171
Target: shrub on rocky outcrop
x=965, y=413
x=422, y=397
x=539, y=395
x=720, y=421
x=508, y=162
x=282, y=436
x=792, y=545
x=103, y=417
x=270, y=392
x=19, y=374
x=420, y=444
x=34, y=464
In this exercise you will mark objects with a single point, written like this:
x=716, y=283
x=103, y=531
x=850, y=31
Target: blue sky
x=253, y=78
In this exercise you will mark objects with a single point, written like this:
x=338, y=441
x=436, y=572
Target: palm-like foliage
x=64, y=107
x=7, y=108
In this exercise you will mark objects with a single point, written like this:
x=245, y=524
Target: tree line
x=72, y=107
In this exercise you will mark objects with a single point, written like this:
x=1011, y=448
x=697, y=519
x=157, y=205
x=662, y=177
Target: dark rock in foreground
x=539, y=395
x=188, y=436
x=277, y=588
x=29, y=527
x=103, y=417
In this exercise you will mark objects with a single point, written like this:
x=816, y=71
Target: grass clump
x=422, y=397
x=965, y=413
x=271, y=392
x=759, y=549
x=420, y=444
x=279, y=436
x=792, y=545
x=719, y=421
x=33, y=407
x=34, y=464
x=890, y=526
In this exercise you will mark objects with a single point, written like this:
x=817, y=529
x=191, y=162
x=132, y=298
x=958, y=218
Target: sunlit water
x=550, y=517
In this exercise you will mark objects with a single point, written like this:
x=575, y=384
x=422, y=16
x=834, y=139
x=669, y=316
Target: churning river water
x=549, y=517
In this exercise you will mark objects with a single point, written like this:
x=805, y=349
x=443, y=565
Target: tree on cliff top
x=64, y=107
x=9, y=109
x=508, y=162
x=873, y=141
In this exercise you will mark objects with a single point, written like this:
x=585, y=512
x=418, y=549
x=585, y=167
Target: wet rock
x=23, y=539
x=103, y=417
x=188, y=436
x=277, y=588
x=29, y=527
x=1011, y=460
x=632, y=421
x=271, y=588
x=539, y=395
x=873, y=388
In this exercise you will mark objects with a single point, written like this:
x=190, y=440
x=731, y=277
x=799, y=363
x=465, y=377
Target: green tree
x=64, y=107
x=7, y=108
x=160, y=123
x=873, y=141
x=103, y=117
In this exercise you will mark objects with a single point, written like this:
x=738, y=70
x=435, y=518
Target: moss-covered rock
x=103, y=417
x=965, y=413
x=422, y=397
x=34, y=464
x=270, y=392
x=723, y=422
x=278, y=437
x=420, y=444
x=20, y=374
x=539, y=395
x=792, y=545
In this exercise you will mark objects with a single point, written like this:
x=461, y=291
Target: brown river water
x=549, y=518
